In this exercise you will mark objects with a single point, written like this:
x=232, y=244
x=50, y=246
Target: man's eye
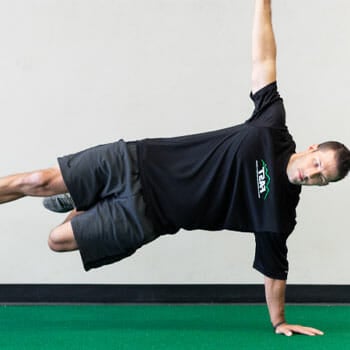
x=323, y=180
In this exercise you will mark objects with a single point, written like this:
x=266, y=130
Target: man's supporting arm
x=263, y=46
x=275, y=298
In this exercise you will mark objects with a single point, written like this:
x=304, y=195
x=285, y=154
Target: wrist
x=276, y=325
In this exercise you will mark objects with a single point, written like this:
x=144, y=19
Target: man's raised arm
x=263, y=46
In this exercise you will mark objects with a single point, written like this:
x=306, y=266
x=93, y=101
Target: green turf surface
x=180, y=327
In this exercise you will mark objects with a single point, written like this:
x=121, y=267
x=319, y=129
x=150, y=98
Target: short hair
x=342, y=157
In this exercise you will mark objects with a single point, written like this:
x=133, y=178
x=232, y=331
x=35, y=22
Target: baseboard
x=166, y=293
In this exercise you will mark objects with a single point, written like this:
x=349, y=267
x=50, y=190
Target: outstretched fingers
x=289, y=330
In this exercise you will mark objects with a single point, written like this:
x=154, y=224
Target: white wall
x=75, y=73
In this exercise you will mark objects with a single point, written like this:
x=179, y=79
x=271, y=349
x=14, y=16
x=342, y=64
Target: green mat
x=180, y=327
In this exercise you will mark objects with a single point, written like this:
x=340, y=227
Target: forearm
x=275, y=298
x=263, y=40
x=263, y=46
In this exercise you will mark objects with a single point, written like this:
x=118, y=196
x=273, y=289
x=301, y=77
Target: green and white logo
x=263, y=179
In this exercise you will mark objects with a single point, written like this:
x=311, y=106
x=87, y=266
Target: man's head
x=319, y=164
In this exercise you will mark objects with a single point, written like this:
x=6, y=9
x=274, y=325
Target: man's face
x=312, y=167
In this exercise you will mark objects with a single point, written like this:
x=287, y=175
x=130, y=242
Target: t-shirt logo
x=263, y=179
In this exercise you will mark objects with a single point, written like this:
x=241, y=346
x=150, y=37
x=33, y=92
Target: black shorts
x=104, y=182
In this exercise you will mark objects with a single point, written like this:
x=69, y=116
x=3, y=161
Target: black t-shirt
x=234, y=179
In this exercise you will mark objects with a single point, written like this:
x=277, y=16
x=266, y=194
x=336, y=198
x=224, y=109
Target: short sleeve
x=268, y=107
x=271, y=255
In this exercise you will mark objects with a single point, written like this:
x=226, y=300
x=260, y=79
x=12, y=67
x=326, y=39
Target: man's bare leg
x=61, y=239
x=40, y=183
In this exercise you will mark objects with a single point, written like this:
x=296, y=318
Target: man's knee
x=55, y=241
x=43, y=182
x=34, y=180
x=61, y=239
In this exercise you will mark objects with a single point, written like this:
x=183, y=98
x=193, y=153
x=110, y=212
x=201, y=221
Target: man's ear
x=313, y=147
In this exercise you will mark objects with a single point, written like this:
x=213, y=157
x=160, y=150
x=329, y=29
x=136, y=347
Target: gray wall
x=75, y=73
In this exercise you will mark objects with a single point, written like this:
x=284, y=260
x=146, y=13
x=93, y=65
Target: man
x=245, y=178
